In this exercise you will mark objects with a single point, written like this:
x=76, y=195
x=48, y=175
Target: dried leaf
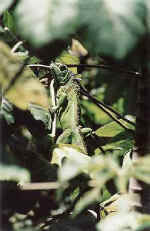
x=26, y=89
x=77, y=49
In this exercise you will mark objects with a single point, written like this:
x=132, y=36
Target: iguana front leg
x=86, y=131
x=65, y=137
x=72, y=136
x=59, y=102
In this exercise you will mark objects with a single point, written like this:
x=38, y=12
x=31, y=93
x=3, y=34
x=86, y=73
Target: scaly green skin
x=68, y=110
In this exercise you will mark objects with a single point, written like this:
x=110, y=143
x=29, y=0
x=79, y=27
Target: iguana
x=67, y=105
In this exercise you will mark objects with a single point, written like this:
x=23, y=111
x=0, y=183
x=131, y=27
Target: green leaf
x=109, y=130
x=34, y=60
x=119, y=144
x=95, y=113
x=138, y=169
x=54, y=19
x=39, y=113
x=102, y=168
x=6, y=110
x=8, y=21
x=112, y=129
x=116, y=203
x=4, y=4
x=113, y=29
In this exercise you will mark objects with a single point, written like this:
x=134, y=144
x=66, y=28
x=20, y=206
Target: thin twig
x=116, y=120
x=16, y=46
x=101, y=104
x=102, y=107
x=119, y=116
x=39, y=65
x=52, y=93
x=107, y=67
x=102, y=150
x=39, y=186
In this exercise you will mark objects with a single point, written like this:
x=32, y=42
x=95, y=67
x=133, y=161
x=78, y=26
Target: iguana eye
x=63, y=68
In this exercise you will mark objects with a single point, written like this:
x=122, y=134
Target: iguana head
x=60, y=73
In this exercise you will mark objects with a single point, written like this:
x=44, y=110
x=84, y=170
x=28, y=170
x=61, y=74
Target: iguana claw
x=54, y=109
x=87, y=131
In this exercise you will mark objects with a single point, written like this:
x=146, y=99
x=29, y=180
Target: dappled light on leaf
x=4, y=4
x=14, y=173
